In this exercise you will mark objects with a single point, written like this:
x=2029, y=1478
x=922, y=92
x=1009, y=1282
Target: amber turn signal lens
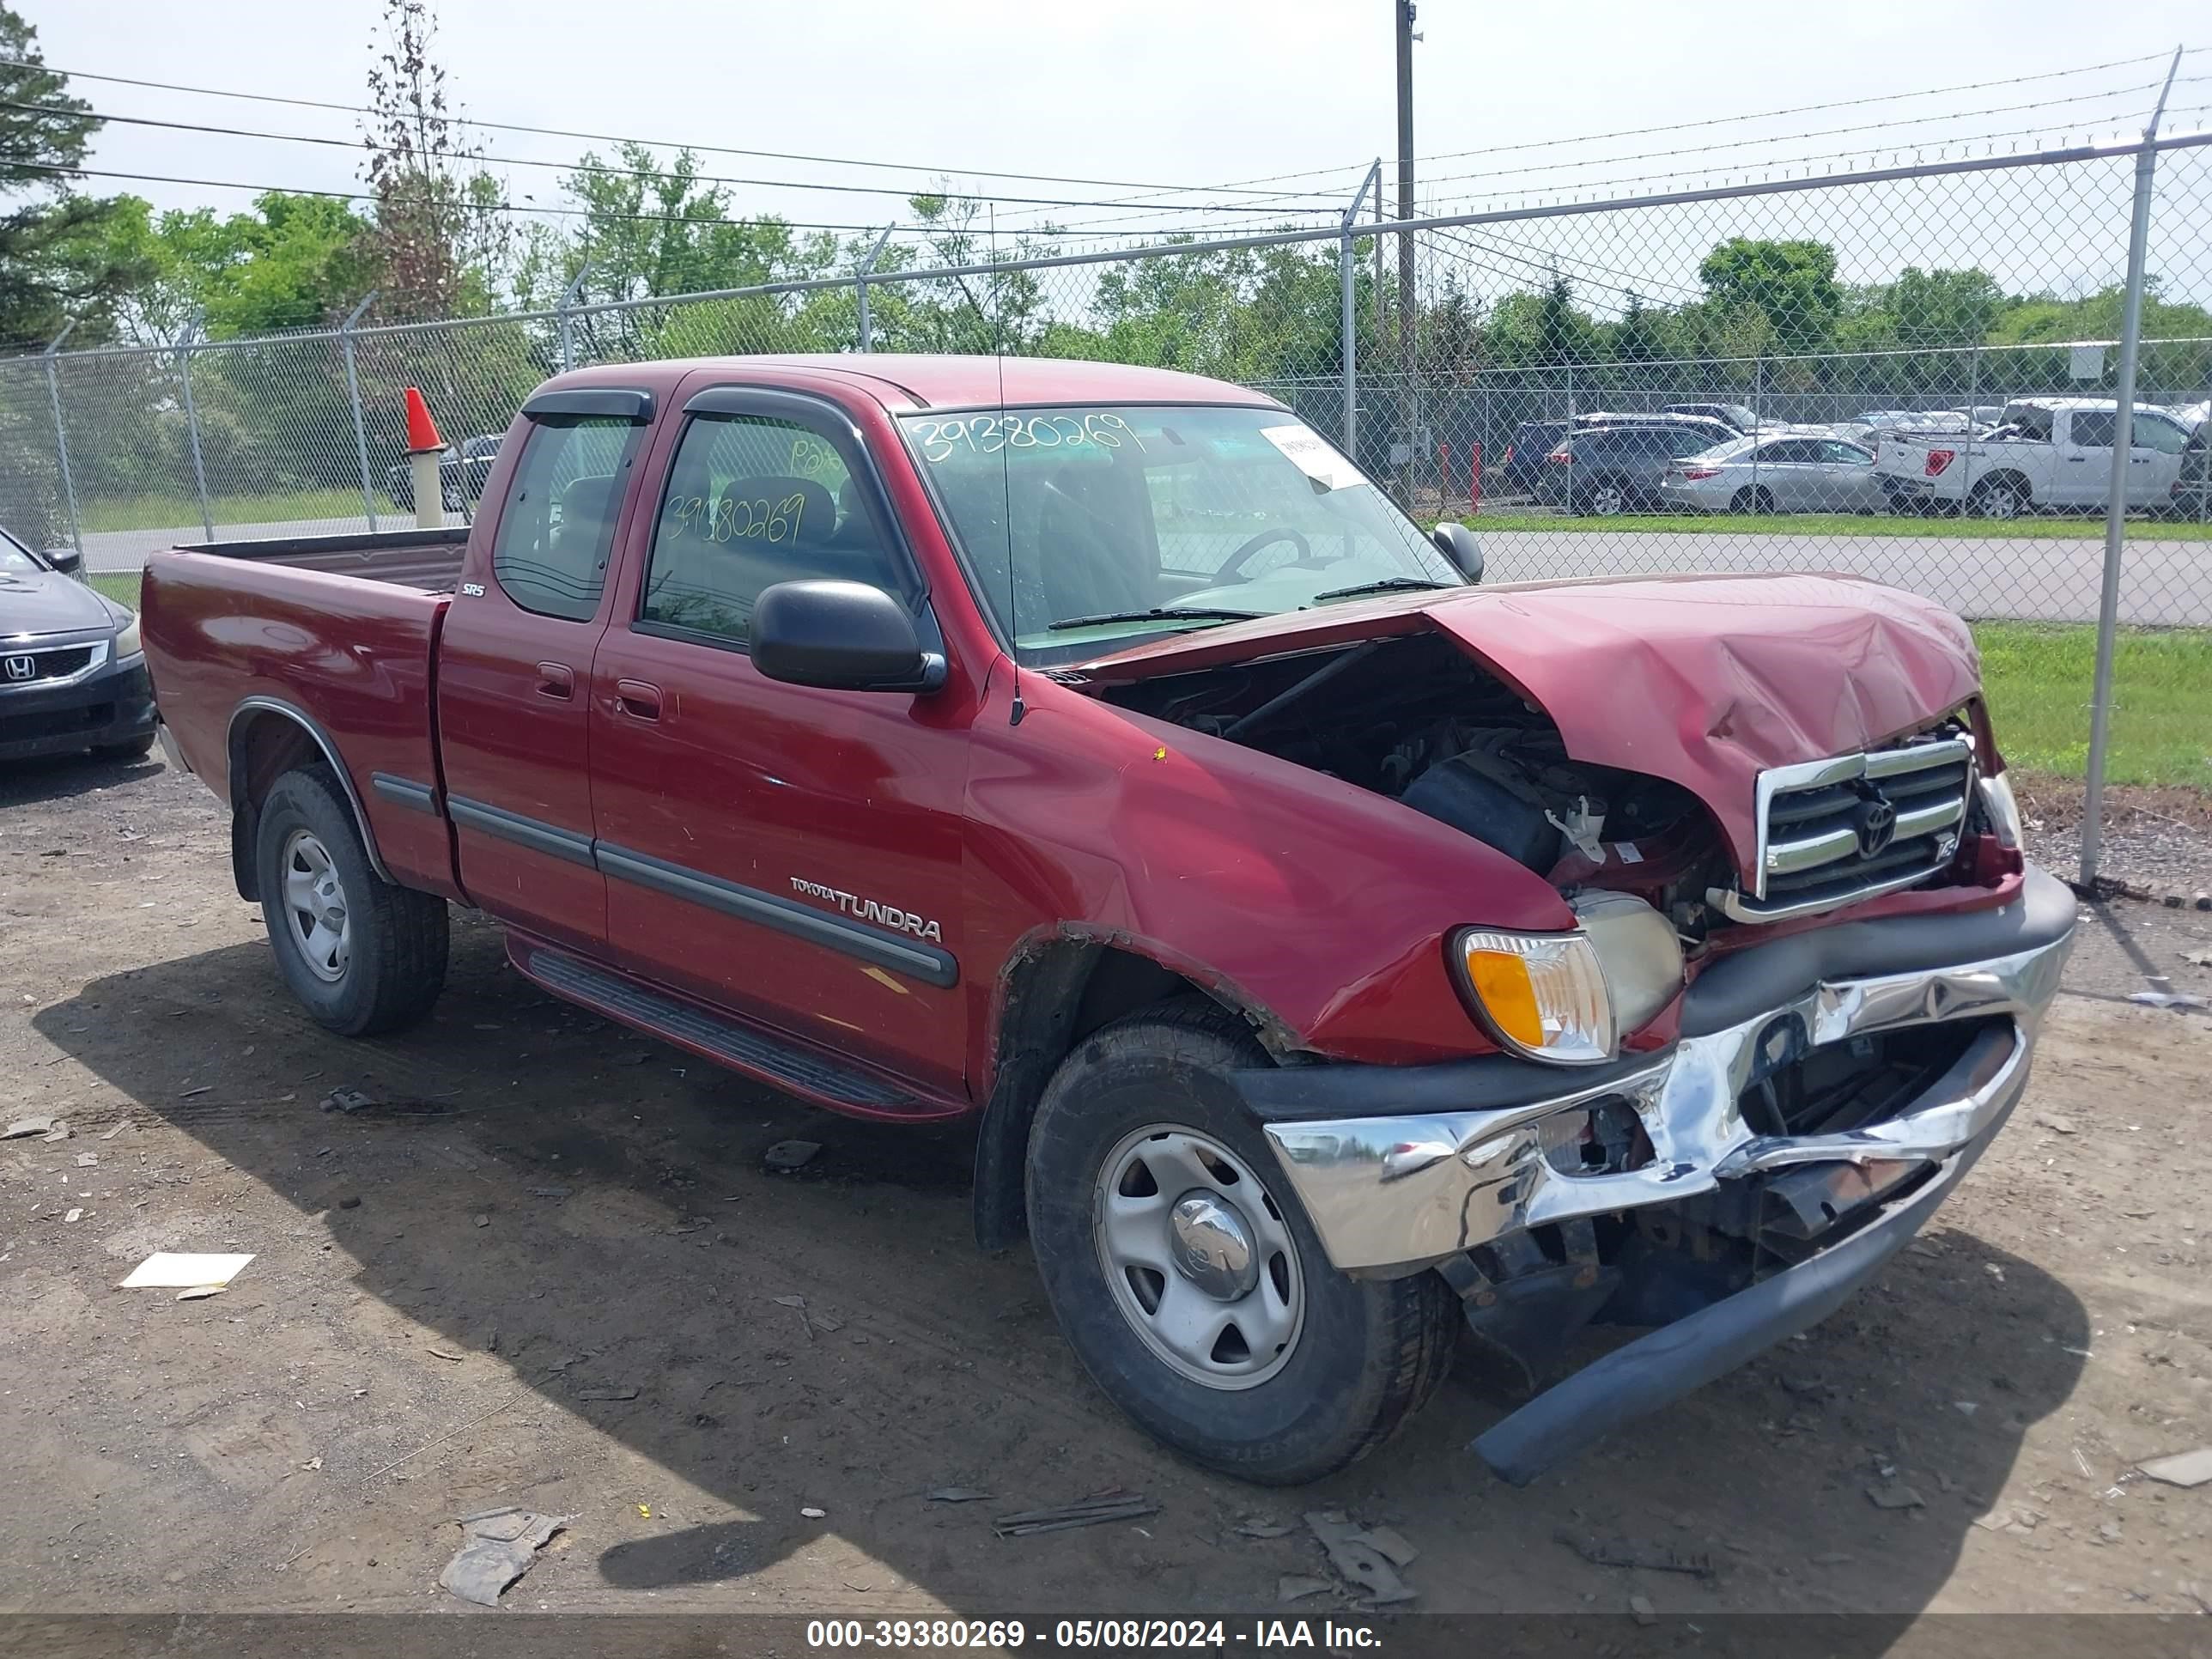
x=1501, y=983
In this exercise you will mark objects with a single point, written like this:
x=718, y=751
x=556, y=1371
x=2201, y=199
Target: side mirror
x=67, y=560
x=1462, y=547
x=843, y=636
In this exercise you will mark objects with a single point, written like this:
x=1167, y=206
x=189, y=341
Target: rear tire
x=1607, y=501
x=2002, y=499
x=1334, y=1365
x=362, y=955
x=1759, y=500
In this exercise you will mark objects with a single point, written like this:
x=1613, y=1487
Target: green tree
x=57, y=260
x=1792, y=285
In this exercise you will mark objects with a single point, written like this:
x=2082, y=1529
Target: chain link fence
x=1909, y=373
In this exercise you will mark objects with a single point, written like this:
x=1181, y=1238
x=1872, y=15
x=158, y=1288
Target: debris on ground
x=28, y=1125
x=1641, y=1610
x=2175, y=1000
x=790, y=1154
x=346, y=1100
x=1093, y=1512
x=2057, y=1125
x=497, y=1547
x=955, y=1494
x=166, y=1270
x=1258, y=1526
x=1357, y=1558
x=1895, y=1495
x=814, y=1514
x=2189, y=1468
x=1294, y=1586
x=625, y=1391
x=199, y=1292
x=549, y=1191
x=446, y=1354
x=1627, y=1552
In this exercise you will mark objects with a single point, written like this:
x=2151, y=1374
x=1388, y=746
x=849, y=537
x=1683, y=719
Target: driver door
x=766, y=845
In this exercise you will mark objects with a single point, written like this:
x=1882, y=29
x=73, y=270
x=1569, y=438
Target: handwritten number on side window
x=732, y=520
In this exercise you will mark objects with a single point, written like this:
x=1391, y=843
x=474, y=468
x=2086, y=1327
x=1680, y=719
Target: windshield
x=1123, y=511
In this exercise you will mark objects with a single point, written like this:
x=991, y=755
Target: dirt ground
x=549, y=1267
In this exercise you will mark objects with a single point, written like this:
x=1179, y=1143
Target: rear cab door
x=514, y=658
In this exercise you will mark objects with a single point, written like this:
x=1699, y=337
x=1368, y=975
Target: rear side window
x=558, y=525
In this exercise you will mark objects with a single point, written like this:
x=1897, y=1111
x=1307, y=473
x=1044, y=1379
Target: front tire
x=363, y=954
x=1186, y=1276
x=136, y=750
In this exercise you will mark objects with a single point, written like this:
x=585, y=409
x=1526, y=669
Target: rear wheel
x=1752, y=499
x=1998, y=498
x=1186, y=1276
x=363, y=956
x=1607, y=501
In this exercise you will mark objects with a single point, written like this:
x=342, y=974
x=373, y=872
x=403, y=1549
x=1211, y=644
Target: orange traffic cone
x=422, y=430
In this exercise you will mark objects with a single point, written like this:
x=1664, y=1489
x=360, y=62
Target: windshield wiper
x=1168, y=613
x=1388, y=585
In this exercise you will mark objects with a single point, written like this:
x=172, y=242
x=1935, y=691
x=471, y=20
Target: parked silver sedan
x=1795, y=473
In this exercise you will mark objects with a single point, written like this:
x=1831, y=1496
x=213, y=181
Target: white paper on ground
x=169, y=1271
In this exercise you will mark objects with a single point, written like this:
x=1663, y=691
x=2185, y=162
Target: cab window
x=558, y=525
x=752, y=501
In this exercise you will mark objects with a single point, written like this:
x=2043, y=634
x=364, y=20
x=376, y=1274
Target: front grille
x=1833, y=832
x=33, y=667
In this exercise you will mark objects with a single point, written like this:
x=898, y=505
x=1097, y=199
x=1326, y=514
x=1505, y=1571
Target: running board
x=745, y=1048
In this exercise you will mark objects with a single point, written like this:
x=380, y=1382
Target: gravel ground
x=549, y=1267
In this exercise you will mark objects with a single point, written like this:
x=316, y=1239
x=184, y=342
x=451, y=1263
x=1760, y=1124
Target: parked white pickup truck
x=2045, y=453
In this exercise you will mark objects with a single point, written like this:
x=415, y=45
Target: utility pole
x=1407, y=300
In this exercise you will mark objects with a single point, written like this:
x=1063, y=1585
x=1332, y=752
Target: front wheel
x=363, y=956
x=1187, y=1277
x=1607, y=501
x=135, y=749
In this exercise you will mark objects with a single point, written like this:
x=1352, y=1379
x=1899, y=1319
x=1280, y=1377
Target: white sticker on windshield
x=1311, y=455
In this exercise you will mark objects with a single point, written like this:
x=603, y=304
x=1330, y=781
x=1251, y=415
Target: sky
x=1153, y=92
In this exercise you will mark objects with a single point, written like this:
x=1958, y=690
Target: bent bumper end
x=1657, y=1370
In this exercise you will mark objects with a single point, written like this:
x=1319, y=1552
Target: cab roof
x=921, y=380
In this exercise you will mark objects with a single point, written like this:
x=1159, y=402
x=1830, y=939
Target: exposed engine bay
x=1411, y=717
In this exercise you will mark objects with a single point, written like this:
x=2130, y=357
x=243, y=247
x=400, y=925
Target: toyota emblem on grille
x=22, y=668
x=1876, y=822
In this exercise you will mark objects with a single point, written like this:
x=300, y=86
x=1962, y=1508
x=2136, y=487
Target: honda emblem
x=22, y=668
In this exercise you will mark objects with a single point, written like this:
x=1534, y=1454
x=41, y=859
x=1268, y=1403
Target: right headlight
x=1570, y=997
x=2002, y=810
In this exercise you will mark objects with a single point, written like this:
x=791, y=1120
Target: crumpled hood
x=1705, y=681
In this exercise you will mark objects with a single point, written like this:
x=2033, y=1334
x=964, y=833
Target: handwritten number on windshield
x=986, y=435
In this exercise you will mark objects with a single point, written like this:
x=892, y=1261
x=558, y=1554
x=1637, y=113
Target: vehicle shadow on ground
x=63, y=777
x=639, y=1243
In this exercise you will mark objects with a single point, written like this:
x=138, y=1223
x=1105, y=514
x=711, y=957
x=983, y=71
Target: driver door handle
x=640, y=699
x=556, y=680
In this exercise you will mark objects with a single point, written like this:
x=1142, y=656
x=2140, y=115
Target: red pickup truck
x=1331, y=950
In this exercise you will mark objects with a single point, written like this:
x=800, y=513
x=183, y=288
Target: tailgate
x=239, y=648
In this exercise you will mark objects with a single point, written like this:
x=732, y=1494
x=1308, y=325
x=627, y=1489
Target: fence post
x=184, y=350
x=61, y=439
x=1966, y=449
x=1348, y=325
x=563, y=321
x=2115, y=506
x=860, y=286
x=353, y=395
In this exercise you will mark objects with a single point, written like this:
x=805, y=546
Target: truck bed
x=426, y=560
x=262, y=652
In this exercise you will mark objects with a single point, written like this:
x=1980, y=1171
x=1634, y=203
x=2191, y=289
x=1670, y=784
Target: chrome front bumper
x=1390, y=1195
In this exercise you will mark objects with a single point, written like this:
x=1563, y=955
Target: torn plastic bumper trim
x=1390, y=1195
x=1656, y=1370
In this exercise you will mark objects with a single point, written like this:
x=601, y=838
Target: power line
x=1828, y=132
x=601, y=168
x=618, y=138
x=1806, y=109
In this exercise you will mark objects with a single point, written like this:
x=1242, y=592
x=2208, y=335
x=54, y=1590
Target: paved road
x=2162, y=583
